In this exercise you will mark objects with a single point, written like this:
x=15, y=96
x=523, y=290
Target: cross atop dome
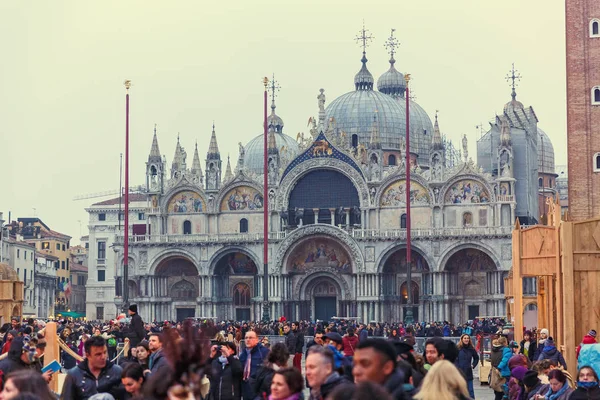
x=513, y=79
x=391, y=44
x=274, y=88
x=364, y=36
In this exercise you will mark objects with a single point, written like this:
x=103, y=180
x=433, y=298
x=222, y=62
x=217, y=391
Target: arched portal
x=235, y=283
x=472, y=274
x=176, y=278
x=319, y=192
x=394, y=283
x=324, y=294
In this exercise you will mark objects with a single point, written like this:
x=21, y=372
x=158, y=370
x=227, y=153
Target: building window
x=403, y=221
x=595, y=28
x=101, y=250
x=120, y=216
x=101, y=275
x=18, y=253
x=141, y=216
x=540, y=182
x=56, y=265
x=596, y=95
x=45, y=245
x=597, y=162
x=102, y=217
x=355, y=140
x=25, y=255
x=62, y=265
x=25, y=277
x=100, y=313
x=67, y=264
x=57, y=246
x=391, y=159
x=187, y=228
x=243, y=225
x=63, y=247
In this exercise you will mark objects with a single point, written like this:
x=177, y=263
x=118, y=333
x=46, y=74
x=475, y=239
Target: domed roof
x=7, y=273
x=254, y=151
x=392, y=81
x=545, y=153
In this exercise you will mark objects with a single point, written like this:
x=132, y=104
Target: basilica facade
x=337, y=219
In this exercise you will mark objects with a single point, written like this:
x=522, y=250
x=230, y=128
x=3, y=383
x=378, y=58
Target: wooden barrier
x=52, y=353
x=565, y=259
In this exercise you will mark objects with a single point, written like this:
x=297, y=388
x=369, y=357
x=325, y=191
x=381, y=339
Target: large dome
x=354, y=114
x=254, y=151
x=545, y=153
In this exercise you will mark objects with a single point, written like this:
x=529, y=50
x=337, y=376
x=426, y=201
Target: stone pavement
x=482, y=392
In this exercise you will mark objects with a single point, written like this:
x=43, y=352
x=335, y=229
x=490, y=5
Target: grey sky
x=62, y=98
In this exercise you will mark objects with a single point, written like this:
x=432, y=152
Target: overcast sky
x=62, y=100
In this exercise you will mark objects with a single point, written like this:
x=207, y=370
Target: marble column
x=332, y=211
x=316, y=212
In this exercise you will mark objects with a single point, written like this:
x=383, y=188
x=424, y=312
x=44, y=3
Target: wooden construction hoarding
x=565, y=258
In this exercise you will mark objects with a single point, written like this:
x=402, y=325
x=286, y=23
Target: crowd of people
x=343, y=360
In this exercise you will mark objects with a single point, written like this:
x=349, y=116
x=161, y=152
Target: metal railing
x=382, y=234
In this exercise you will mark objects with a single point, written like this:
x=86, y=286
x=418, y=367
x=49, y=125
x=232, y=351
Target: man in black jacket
x=299, y=336
x=137, y=332
x=20, y=356
x=290, y=343
x=95, y=374
x=320, y=373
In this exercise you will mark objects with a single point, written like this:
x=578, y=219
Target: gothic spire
x=154, y=150
x=363, y=80
x=213, y=148
x=436, y=141
x=196, y=168
x=228, y=173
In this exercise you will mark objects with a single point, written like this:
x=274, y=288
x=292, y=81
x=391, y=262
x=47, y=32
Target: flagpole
x=126, y=214
x=266, y=317
x=408, y=317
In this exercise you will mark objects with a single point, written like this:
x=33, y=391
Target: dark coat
x=552, y=353
x=586, y=394
x=137, y=332
x=394, y=385
x=299, y=341
x=258, y=355
x=81, y=384
x=157, y=361
x=363, y=335
x=226, y=380
x=262, y=384
x=532, y=350
x=290, y=342
x=467, y=360
x=13, y=361
x=540, y=388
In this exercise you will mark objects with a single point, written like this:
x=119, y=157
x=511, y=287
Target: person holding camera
x=226, y=379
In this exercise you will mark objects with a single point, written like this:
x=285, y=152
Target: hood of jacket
x=587, y=339
x=550, y=350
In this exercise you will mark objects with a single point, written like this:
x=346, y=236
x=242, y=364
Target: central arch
x=322, y=287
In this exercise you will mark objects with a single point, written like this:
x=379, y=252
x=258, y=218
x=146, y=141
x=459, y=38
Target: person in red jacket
x=350, y=341
x=590, y=338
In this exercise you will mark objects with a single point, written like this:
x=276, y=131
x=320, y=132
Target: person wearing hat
x=544, y=333
x=137, y=332
x=550, y=352
x=533, y=385
x=20, y=356
x=514, y=346
x=590, y=338
x=334, y=342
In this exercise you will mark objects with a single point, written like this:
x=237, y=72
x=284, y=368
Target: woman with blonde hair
x=443, y=382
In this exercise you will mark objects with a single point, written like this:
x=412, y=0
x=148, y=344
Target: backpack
x=112, y=342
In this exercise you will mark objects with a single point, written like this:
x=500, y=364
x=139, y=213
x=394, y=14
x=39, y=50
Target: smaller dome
x=7, y=273
x=254, y=151
x=545, y=153
x=392, y=81
x=274, y=121
x=363, y=80
x=514, y=104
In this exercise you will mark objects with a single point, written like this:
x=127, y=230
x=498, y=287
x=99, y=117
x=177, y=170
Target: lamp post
x=266, y=314
x=408, y=315
x=126, y=214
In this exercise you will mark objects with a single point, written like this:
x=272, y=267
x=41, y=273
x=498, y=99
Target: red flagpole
x=126, y=215
x=265, y=315
x=408, y=238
